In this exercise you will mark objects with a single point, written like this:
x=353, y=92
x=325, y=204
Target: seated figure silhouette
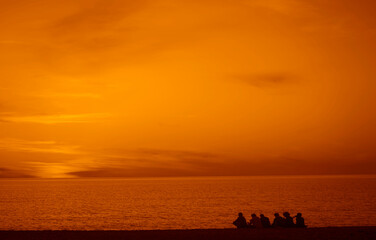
x=288, y=221
x=265, y=221
x=278, y=220
x=299, y=221
x=255, y=222
x=240, y=222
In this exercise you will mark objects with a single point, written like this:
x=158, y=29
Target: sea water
x=183, y=203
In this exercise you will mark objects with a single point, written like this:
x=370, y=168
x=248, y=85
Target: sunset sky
x=120, y=88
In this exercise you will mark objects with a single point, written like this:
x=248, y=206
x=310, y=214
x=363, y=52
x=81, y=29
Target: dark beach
x=217, y=234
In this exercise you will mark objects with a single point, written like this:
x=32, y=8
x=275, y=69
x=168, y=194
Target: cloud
x=153, y=157
x=54, y=170
x=18, y=145
x=11, y=42
x=96, y=28
x=11, y=173
x=134, y=172
x=173, y=163
x=267, y=80
x=148, y=163
x=68, y=95
x=285, y=7
x=177, y=154
x=98, y=17
x=55, y=119
x=72, y=161
x=163, y=163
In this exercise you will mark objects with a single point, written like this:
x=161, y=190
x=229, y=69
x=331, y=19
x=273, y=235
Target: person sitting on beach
x=288, y=221
x=299, y=221
x=240, y=222
x=278, y=220
x=265, y=221
x=255, y=222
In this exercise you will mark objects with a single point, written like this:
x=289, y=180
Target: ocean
x=183, y=203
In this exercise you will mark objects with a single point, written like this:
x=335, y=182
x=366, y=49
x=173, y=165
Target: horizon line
x=365, y=175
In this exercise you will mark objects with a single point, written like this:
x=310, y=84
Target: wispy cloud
x=150, y=163
x=13, y=42
x=286, y=7
x=54, y=170
x=55, y=119
x=267, y=80
x=12, y=173
x=68, y=95
x=19, y=145
x=99, y=27
x=231, y=167
x=151, y=157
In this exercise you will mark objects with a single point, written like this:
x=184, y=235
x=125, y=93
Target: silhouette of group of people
x=263, y=222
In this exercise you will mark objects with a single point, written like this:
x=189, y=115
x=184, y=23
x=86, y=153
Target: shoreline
x=366, y=232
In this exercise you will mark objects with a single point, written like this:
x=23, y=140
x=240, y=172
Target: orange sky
x=118, y=88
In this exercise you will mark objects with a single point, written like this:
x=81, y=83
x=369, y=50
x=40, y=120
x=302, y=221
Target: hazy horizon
x=362, y=175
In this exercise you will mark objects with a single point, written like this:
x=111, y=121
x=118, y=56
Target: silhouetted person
x=255, y=222
x=299, y=221
x=278, y=220
x=288, y=221
x=240, y=222
x=265, y=221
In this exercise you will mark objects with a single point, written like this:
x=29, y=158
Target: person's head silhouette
x=276, y=214
x=240, y=214
x=286, y=214
x=262, y=215
x=298, y=214
x=253, y=215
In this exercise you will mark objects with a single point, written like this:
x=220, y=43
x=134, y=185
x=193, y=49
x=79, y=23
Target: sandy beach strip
x=207, y=234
